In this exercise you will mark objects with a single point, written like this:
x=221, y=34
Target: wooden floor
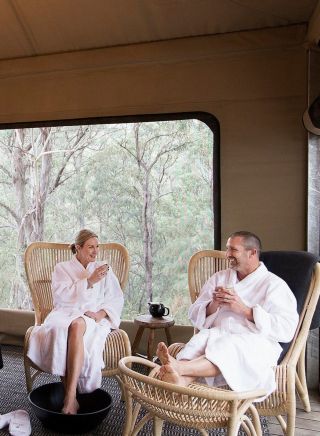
x=307, y=424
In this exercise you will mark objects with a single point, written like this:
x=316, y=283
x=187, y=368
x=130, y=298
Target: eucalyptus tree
x=153, y=148
x=38, y=162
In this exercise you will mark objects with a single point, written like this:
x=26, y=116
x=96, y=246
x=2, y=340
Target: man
x=242, y=314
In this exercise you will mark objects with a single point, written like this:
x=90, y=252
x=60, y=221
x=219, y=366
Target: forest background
x=146, y=185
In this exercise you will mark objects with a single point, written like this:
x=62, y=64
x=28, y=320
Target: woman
x=87, y=301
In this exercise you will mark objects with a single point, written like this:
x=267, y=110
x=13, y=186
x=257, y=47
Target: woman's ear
x=77, y=247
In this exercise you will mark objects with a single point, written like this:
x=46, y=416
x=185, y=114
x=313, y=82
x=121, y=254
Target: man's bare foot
x=163, y=354
x=70, y=407
x=169, y=374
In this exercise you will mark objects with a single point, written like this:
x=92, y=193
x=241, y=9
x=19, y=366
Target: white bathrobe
x=71, y=299
x=244, y=351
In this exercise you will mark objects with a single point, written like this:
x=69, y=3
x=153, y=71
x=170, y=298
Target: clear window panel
x=148, y=185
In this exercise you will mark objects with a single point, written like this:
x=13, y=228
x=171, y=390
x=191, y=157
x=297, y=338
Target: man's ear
x=253, y=252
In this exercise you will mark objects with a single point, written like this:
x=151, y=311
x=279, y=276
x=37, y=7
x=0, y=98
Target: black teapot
x=157, y=310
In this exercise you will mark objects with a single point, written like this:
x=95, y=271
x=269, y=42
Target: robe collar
x=78, y=265
x=250, y=278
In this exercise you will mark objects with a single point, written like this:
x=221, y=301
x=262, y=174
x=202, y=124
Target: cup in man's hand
x=229, y=287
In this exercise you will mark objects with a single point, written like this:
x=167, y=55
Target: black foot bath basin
x=47, y=402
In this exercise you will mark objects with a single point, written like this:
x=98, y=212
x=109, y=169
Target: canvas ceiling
x=38, y=27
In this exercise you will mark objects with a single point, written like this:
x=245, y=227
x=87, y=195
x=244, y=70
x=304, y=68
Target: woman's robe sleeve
x=113, y=299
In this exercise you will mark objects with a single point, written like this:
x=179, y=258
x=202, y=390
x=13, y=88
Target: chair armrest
x=116, y=347
x=195, y=389
x=26, y=339
x=174, y=349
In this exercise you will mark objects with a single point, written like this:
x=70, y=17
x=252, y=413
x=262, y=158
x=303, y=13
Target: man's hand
x=228, y=298
x=214, y=304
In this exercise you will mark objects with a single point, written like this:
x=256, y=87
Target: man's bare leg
x=168, y=374
x=183, y=372
x=75, y=355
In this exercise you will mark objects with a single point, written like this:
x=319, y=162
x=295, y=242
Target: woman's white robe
x=71, y=299
x=244, y=351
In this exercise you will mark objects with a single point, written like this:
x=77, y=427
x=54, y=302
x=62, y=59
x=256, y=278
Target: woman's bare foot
x=70, y=406
x=169, y=374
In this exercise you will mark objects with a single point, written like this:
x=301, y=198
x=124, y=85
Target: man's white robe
x=71, y=299
x=244, y=351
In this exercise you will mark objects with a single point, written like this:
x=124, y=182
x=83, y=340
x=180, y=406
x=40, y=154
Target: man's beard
x=233, y=263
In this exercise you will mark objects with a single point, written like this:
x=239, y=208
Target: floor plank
x=307, y=424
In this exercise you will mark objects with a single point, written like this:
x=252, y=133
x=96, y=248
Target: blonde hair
x=81, y=237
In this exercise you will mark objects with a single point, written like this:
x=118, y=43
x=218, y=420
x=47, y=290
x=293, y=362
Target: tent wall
x=253, y=82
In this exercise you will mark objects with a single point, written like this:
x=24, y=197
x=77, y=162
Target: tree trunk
x=147, y=222
x=28, y=172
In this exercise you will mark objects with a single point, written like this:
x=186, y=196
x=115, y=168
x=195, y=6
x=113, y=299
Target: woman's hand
x=97, y=275
x=97, y=316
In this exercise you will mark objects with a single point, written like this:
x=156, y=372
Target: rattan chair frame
x=202, y=265
x=291, y=372
x=40, y=259
x=196, y=406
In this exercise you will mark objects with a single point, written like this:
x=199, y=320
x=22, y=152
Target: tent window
x=148, y=183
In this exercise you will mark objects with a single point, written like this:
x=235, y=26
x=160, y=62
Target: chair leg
x=233, y=426
x=291, y=418
x=136, y=428
x=127, y=429
x=282, y=423
x=247, y=428
x=301, y=381
x=255, y=420
x=157, y=426
x=120, y=384
x=291, y=424
x=27, y=371
x=27, y=361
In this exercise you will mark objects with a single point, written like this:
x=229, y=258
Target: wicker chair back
x=41, y=258
x=202, y=266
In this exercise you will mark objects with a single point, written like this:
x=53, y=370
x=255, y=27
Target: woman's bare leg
x=75, y=356
x=183, y=372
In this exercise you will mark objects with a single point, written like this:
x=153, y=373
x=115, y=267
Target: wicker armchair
x=301, y=271
x=40, y=260
x=196, y=406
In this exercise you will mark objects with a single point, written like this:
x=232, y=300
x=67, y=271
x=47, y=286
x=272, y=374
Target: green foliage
x=103, y=188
